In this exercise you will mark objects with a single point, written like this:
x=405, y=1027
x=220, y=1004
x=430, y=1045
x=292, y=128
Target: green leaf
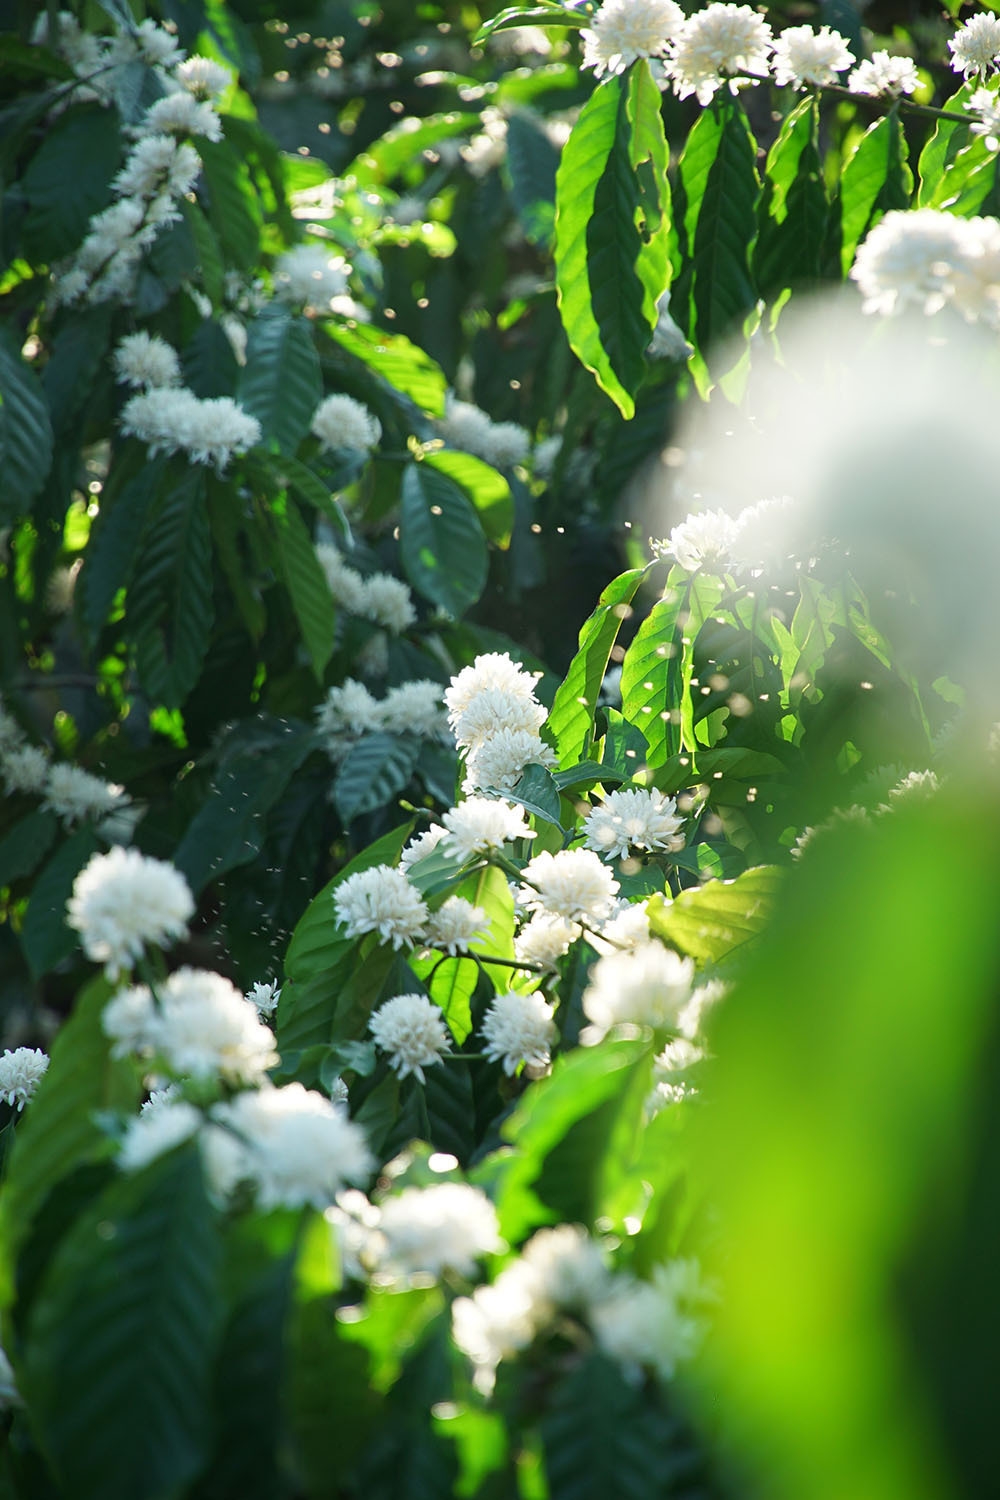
x=169, y=609
x=718, y=184
x=537, y=791
x=24, y=846
x=714, y=921
x=488, y=490
x=118, y=1355
x=25, y=434
x=403, y=365
x=652, y=677
x=488, y=889
x=210, y=262
x=372, y=772
x=45, y=936
x=233, y=209
x=58, y=1132
x=572, y=718
x=76, y=359
x=441, y=542
x=946, y=141
x=611, y=231
x=306, y=583
x=532, y=162
x=280, y=383
x=452, y=987
x=69, y=179
x=875, y=179
x=532, y=15
x=792, y=215
x=113, y=547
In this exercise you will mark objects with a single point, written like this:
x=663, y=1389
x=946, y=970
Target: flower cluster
x=502, y=444
x=342, y=422
x=73, y=794
x=381, y=598
x=712, y=540
x=124, y=902
x=197, y=1025
x=633, y=819
x=350, y=710
x=495, y=718
x=928, y=259
x=21, y=1072
x=209, y=430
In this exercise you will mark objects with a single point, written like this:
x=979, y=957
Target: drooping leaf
x=651, y=682
x=488, y=490
x=25, y=434
x=941, y=149
x=401, y=363
x=442, y=545
x=306, y=582
x=572, y=717
x=83, y=148
x=280, y=383
x=792, y=214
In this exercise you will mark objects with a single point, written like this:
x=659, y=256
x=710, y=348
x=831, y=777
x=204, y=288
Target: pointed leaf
x=718, y=918
x=280, y=383
x=442, y=544
x=306, y=583
x=25, y=434
x=875, y=179
x=373, y=771
x=572, y=718
x=169, y=611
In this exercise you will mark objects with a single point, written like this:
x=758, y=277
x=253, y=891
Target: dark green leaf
x=25, y=434
x=280, y=384
x=792, y=217
x=532, y=161
x=306, y=583
x=537, y=791
x=488, y=490
x=45, y=936
x=572, y=717
x=652, y=678
x=83, y=149
x=24, y=846
x=114, y=542
x=442, y=545
x=233, y=209
x=373, y=771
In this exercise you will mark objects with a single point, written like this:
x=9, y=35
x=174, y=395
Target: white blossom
x=342, y=422
x=346, y=712
x=622, y=31
x=804, y=56
x=480, y=824
x=203, y=77
x=633, y=819
x=498, y=1321
x=447, y=1226
x=158, y=164
x=915, y=786
x=702, y=541
x=493, y=710
x=927, y=258
x=298, y=1148
x=346, y=584
x=714, y=44
x=975, y=47
x=653, y=1324
x=628, y=927
x=144, y=361
x=381, y=900
x=413, y=708
x=519, y=1029
x=411, y=1029
x=488, y=147
x=465, y=426
x=209, y=431
x=574, y=883
x=645, y=986
x=202, y=1027
x=311, y=276
x=499, y=761
x=158, y=46
x=388, y=602
x=884, y=74
x=11, y=733
x=180, y=113
x=985, y=105
x=508, y=445
x=21, y=1071
x=569, y=1266
x=544, y=939
x=421, y=845
x=123, y=901
x=25, y=769
x=493, y=671
x=457, y=924
x=545, y=456
x=155, y=1132
x=264, y=997
x=74, y=795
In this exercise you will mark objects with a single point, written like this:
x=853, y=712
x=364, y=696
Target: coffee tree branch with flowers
x=375, y=903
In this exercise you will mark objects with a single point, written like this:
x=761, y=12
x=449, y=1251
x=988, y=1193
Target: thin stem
x=423, y=1118
x=507, y=963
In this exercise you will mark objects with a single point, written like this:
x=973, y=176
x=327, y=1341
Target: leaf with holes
x=118, y=1353
x=442, y=545
x=280, y=384
x=572, y=718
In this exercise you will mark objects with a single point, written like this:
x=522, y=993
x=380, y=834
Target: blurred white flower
x=975, y=47
x=158, y=47
x=414, y=708
x=497, y=1321
x=884, y=74
x=715, y=43
x=381, y=900
x=346, y=712
x=74, y=795
x=203, y=1027
x=928, y=258
x=123, y=901
x=457, y=924
x=445, y=1227
x=519, y=1029
x=25, y=769
x=702, y=541
x=761, y=534
x=411, y=1029
x=421, y=845
x=985, y=105
x=155, y=1132
x=210, y=431
x=804, y=56
x=544, y=939
x=264, y=997
x=203, y=77
x=297, y=1147
x=180, y=113
x=346, y=584
x=646, y=986
x=668, y=342
x=653, y=1324
x=622, y=31
x=388, y=602
x=574, y=883
x=310, y=276
x=633, y=819
x=144, y=361
x=342, y=422
x=628, y=927
x=21, y=1071
x=502, y=444
x=158, y=164
x=570, y=1267
x=481, y=824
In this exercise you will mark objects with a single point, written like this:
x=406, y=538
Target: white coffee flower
x=652, y=1324
x=498, y=1321
x=884, y=74
x=411, y=1029
x=311, y=276
x=129, y=1019
x=203, y=77
x=915, y=786
x=342, y=422
x=381, y=900
x=420, y=846
x=633, y=819
x=155, y=1132
x=714, y=44
x=545, y=456
x=209, y=431
x=346, y=584
x=25, y=769
x=432, y=1230
x=502, y=444
x=264, y=998
x=298, y=1147
x=123, y=901
x=702, y=541
x=346, y=712
x=985, y=105
x=507, y=445
x=74, y=795
x=180, y=113
x=159, y=47
x=414, y=708
x=647, y=986
x=627, y=928
x=915, y=258
x=519, y=1029
x=157, y=164
x=493, y=710
x=11, y=733
x=499, y=762
x=762, y=536
x=488, y=147
x=570, y=1267
x=479, y=825
x=20, y=1074
x=144, y=361
x=545, y=939
x=803, y=56
x=388, y=602
x=622, y=31
x=456, y=924
x=205, y=1028
x=493, y=671
x=975, y=47
x=573, y=883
